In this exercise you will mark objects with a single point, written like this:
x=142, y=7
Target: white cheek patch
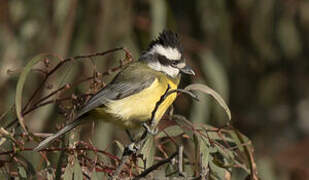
x=168, y=52
x=173, y=72
x=181, y=65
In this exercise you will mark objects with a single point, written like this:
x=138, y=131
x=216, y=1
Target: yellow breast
x=131, y=111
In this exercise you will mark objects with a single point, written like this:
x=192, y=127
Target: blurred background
x=253, y=52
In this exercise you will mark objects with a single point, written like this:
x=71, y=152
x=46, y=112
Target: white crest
x=168, y=52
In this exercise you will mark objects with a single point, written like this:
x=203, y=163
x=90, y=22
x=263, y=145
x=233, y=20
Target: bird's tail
x=61, y=132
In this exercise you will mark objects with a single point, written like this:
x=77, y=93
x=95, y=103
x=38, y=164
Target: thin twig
x=155, y=166
x=180, y=160
x=35, y=106
x=249, y=153
x=63, y=149
x=61, y=63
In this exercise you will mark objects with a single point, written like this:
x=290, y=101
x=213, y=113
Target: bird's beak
x=187, y=70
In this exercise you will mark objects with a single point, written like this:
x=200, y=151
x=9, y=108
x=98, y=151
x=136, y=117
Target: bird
x=130, y=98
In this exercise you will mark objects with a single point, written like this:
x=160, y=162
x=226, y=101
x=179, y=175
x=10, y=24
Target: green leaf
x=148, y=151
x=240, y=139
x=22, y=172
x=73, y=168
x=20, y=86
x=205, y=89
x=68, y=173
x=218, y=172
x=184, y=124
x=77, y=170
x=226, y=153
x=204, y=151
x=215, y=136
x=170, y=131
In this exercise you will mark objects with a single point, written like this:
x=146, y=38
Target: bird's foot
x=151, y=131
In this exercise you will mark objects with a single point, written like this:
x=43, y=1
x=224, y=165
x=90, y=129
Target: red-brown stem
x=64, y=149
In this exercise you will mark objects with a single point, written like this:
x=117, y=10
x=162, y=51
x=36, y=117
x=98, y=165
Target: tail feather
x=61, y=132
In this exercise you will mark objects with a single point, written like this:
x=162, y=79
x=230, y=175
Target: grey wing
x=119, y=88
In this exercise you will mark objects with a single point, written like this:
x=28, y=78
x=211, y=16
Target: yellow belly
x=132, y=111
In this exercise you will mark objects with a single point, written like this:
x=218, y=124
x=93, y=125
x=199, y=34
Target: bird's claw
x=151, y=131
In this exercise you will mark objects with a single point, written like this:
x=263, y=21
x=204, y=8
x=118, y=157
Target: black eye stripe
x=163, y=60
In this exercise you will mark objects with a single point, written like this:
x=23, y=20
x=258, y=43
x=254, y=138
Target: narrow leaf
x=20, y=86
x=205, y=89
x=77, y=170
x=68, y=172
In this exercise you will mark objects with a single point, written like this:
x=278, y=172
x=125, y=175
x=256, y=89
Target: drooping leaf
x=20, y=86
x=205, y=89
x=216, y=77
x=218, y=172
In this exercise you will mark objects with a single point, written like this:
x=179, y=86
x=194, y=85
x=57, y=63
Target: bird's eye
x=174, y=63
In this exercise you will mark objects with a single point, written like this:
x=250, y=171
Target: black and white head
x=165, y=54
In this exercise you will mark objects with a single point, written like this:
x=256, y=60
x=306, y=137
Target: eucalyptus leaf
x=205, y=89
x=68, y=172
x=148, y=151
x=204, y=152
x=171, y=131
x=184, y=124
x=20, y=86
x=77, y=170
x=22, y=172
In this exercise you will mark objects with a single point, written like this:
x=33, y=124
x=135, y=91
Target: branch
x=155, y=166
x=67, y=86
x=63, y=149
